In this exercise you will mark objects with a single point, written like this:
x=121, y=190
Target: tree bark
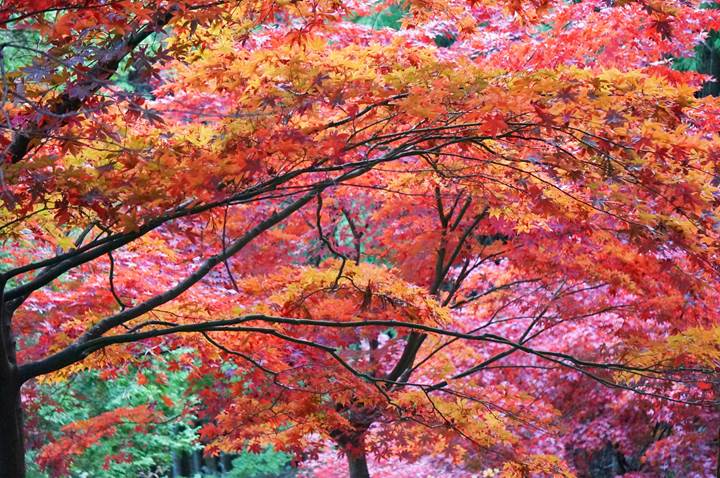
x=12, y=447
x=357, y=459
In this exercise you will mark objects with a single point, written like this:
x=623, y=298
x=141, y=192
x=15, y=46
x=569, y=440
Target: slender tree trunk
x=357, y=459
x=12, y=448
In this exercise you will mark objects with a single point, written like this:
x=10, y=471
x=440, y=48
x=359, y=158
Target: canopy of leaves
x=412, y=231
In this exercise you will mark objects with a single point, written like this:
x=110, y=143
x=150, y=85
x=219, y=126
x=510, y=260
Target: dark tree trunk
x=12, y=448
x=225, y=462
x=357, y=459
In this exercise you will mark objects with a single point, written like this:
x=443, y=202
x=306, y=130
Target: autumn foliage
x=485, y=240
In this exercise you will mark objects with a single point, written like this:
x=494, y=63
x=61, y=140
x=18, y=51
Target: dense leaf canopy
x=414, y=231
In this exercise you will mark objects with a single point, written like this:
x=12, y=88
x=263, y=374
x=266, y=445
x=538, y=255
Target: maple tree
x=398, y=244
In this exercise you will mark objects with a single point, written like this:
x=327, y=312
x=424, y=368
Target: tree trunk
x=12, y=448
x=357, y=459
